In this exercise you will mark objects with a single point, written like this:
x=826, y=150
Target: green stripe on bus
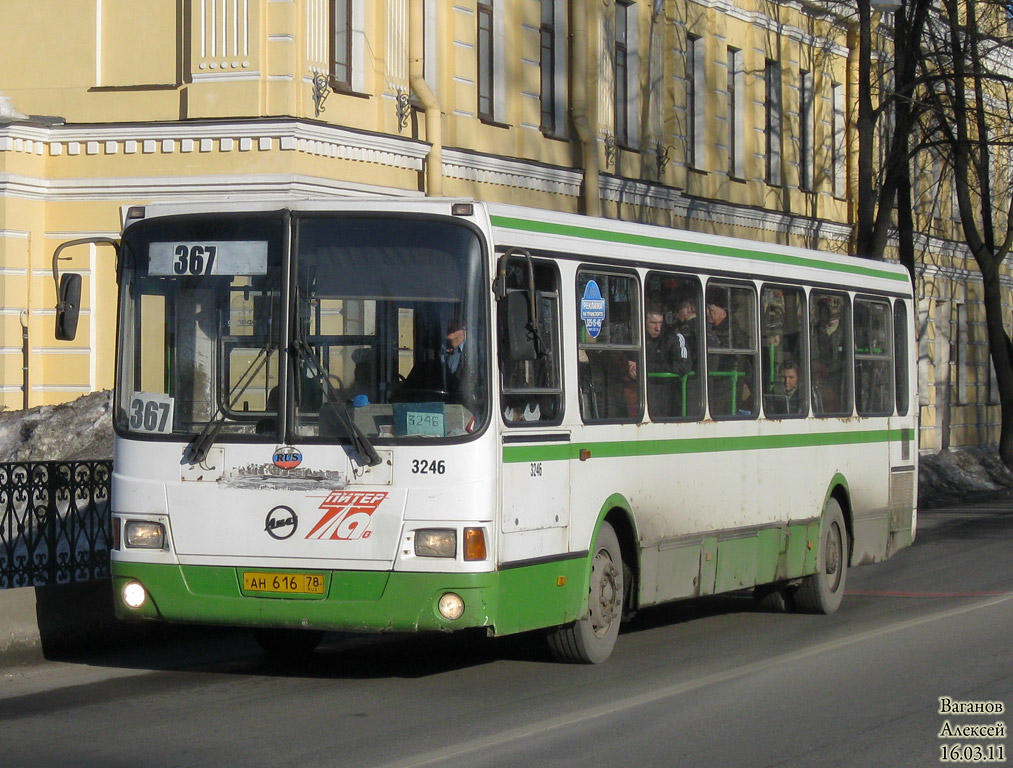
x=624, y=238
x=605, y=450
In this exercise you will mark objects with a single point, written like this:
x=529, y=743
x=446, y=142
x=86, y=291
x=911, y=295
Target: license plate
x=284, y=583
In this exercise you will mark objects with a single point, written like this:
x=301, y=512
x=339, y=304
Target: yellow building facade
x=705, y=115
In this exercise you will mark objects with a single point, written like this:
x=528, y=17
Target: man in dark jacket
x=668, y=358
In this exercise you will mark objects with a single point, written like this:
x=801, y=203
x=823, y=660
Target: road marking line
x=553, y=724
x=896, y=593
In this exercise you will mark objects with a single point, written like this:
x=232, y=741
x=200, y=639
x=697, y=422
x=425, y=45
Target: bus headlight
x=141, y=534
x=436, y=542
x=451, y=606
x=134, y=594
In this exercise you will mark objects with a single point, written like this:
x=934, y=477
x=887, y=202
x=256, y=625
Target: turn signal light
x=474, y=544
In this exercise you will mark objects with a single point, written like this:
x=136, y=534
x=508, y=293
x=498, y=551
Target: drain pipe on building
x=588, y=141
x=417, y=81
x=25, y=352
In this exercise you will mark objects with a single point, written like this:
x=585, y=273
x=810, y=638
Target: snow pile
x=8, y=112
x=958, y=476
x=78, y=430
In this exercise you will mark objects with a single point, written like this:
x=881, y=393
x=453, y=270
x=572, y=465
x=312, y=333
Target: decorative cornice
x=214, y=136
x=334, y=142
x=211, y=187
x=792, y=32
x=491, y=169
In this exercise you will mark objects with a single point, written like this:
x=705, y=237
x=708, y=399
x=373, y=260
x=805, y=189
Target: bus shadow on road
x=216, y=650
x=692, y=609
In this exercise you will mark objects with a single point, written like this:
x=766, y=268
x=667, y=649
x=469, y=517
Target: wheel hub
x=605, y=591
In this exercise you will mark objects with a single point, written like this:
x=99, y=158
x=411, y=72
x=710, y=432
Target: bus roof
x=584, y=236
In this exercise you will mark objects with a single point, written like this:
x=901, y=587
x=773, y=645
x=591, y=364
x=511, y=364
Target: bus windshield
x=384, y=339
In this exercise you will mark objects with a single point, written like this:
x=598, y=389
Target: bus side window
x=829, y=338
x=873, y=358
x=674, y=365
x=532, y=387
x=609, y=360
x=784, y=378
x=900, y=351
x=731, y=351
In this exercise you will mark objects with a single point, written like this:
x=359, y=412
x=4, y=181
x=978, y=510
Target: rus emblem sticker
x=287, y=457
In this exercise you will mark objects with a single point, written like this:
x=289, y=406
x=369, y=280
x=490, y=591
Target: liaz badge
x=287, y=457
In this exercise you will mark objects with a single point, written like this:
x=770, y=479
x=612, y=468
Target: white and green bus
x=434, y=414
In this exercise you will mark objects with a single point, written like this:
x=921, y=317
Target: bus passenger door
x=535, y=476
x=535, y=496
x=903, y=429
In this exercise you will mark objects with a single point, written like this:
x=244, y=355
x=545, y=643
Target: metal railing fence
x=55, y=522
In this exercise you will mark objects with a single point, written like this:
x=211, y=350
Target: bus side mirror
x=519, y=327
x=68, y=307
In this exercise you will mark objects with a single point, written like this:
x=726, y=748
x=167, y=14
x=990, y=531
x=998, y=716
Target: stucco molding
x=206, y=187
x=216, y=136
x=508, y=172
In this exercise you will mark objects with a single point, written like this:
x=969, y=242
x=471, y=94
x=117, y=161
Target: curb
x=20, y=640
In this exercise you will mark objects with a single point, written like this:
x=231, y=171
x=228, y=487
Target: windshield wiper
x=198, y=448
x=359, y=440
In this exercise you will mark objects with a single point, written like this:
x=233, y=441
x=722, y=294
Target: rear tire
x=822, y=591
x=590, y=640
x=288, y=643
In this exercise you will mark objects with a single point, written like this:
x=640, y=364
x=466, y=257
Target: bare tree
x=882, y=190
x=966, y=62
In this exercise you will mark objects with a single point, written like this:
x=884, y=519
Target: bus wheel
x=590, y=640
x=288, y=643
x=822, y=591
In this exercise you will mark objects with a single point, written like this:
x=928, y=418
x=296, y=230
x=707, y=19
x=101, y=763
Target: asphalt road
x=703, y=683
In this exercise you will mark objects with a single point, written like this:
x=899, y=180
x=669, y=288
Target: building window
x=547, y=62
x=486, y=61
x=341, y=43
x=696, y=83
x=622, y=95
x=552, y=60
x=838, y=150
x=772, y=121
x=736, y=122
x=805, y=130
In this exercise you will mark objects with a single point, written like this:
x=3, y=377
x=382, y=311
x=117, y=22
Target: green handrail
x=683, y=376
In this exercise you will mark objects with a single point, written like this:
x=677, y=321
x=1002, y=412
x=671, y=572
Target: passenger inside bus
x=729, y=364
x=668, y=362
x=791, y=390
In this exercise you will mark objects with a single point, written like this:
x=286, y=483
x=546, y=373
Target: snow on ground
x=82, y=429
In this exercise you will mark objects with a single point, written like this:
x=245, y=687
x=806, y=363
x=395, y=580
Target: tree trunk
x=999, y=349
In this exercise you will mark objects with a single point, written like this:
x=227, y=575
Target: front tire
x=823, y=591
x=590, y=640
